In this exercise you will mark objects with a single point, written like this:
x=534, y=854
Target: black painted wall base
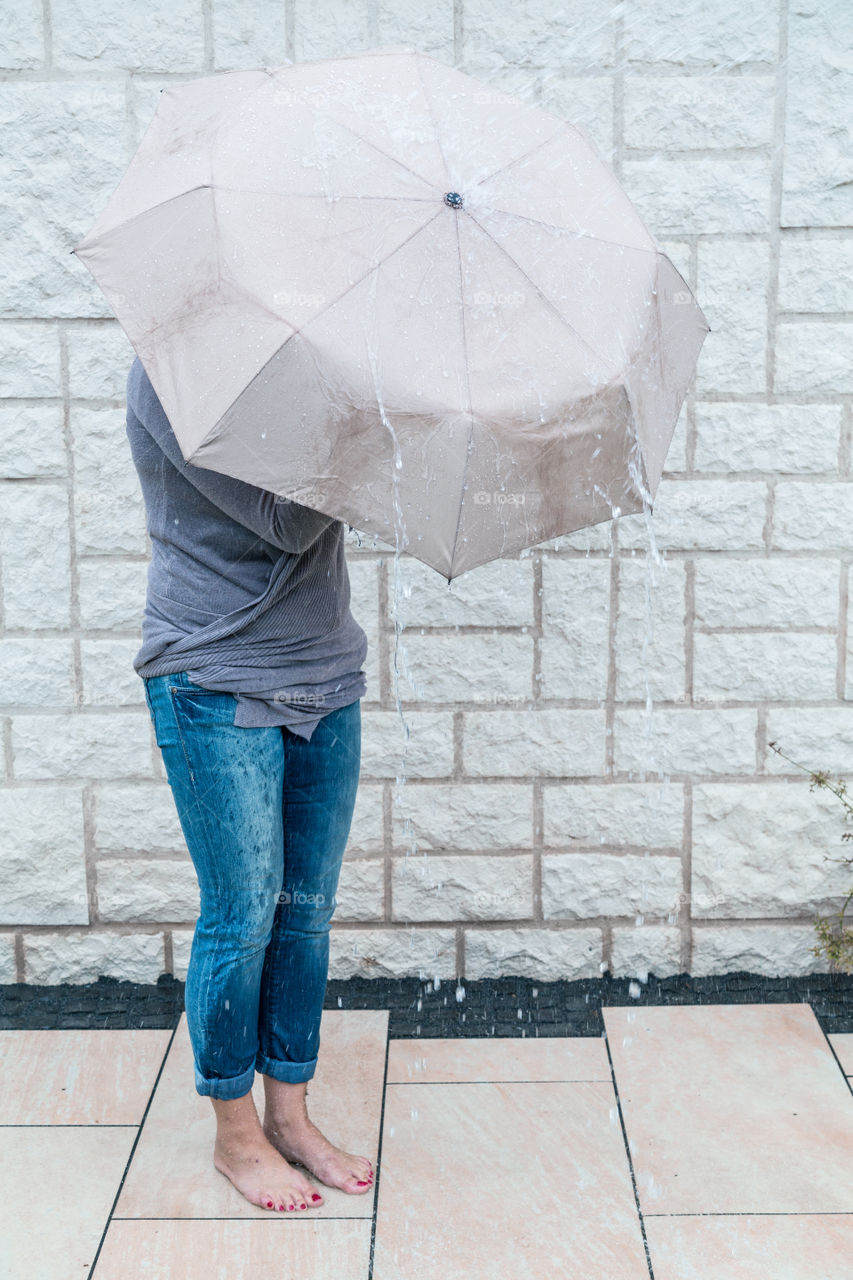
x=490, y=1007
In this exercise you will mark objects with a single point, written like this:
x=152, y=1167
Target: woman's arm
x=287, y=525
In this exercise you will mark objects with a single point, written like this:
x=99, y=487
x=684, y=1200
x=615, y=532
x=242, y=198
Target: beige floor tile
x=733, y=1109
x=528, y=1181
x=235, y=1250
x=741, y=1247
x=78, y=1076
x=430, y=1061
x=842, y=1043
x=57, y=1186
x=172, y=1174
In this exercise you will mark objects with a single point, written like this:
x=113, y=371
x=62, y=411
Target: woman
x=251, y=664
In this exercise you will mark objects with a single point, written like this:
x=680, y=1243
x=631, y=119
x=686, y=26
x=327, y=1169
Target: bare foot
x=289, y=1130
x=259, y=1172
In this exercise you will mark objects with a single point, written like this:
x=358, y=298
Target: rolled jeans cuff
x=289, y=1072
x=226, y=1089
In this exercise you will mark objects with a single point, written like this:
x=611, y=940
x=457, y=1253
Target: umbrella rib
x=514, y=160
x=544, y=297
x=426, y=98
x=379, y=150
x=470, y=402
x=299, y=328
x=579, y=235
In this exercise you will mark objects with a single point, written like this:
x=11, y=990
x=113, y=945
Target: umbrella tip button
x=454, y=199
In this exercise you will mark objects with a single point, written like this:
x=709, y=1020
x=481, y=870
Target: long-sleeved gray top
x=247, y=592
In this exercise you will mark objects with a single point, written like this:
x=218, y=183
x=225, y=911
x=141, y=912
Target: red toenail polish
x=269, y=1204
x=315, y=1197
x=303, y=1206
x=361, y=1184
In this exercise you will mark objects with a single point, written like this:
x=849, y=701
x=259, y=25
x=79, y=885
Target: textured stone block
x=386, y=752
x=639, y=950
x=675, y=195
x=366, y=831
x=108, y=505
x=499, y=594
x=36, y=672
x=109, y=678
x=463, y=668
x=815, y=737
x=685, y=740
x=537, y=33
x=428, y=28
x=164, y=35
x=547, y=954
x=112, y=593
x=577, y=886
x=136, y=816
x=361, y=890
x=575, y=627
x=787, y=591
x=99, y=358
x=582, y=100
x=764, y=666
x=63, y=154
x=339, y=27
x=392, y=953
x=693, y=515
x=614, y=814
x=51, y=958
x=32, y=441
x=816, y=178
x=462, y=815
x=761, y=850
x=777, y=951
x=22, y=38
x=36, y=570
x=30, y=359
x=540, y=742
x=813, y=515
x=687, y=34
x=732, y=282
x=42, y=867
x=816, y=274
x=767, y=437
x=77, y=745
x=650, y=629
x=685, y=113
x=468, y=887
x=813, y=357
x=137, y=890
x=248, y=35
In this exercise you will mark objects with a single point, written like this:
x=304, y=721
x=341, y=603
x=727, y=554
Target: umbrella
x=374, y=285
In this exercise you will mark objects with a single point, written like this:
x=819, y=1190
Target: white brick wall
x=587, y=781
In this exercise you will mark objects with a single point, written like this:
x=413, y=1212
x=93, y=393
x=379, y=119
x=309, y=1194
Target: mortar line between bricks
x=843, y=611
x=775, y=212
x=47, y=33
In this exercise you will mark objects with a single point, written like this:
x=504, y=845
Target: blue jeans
x=266, y=816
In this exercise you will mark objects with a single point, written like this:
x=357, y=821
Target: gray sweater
x=247, y=592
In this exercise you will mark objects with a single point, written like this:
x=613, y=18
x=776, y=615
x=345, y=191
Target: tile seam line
x=378, y=1168
x=627, y=1148
x=132, y=1152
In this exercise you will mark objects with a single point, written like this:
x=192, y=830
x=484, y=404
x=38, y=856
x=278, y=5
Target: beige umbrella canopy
x=377, y=286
